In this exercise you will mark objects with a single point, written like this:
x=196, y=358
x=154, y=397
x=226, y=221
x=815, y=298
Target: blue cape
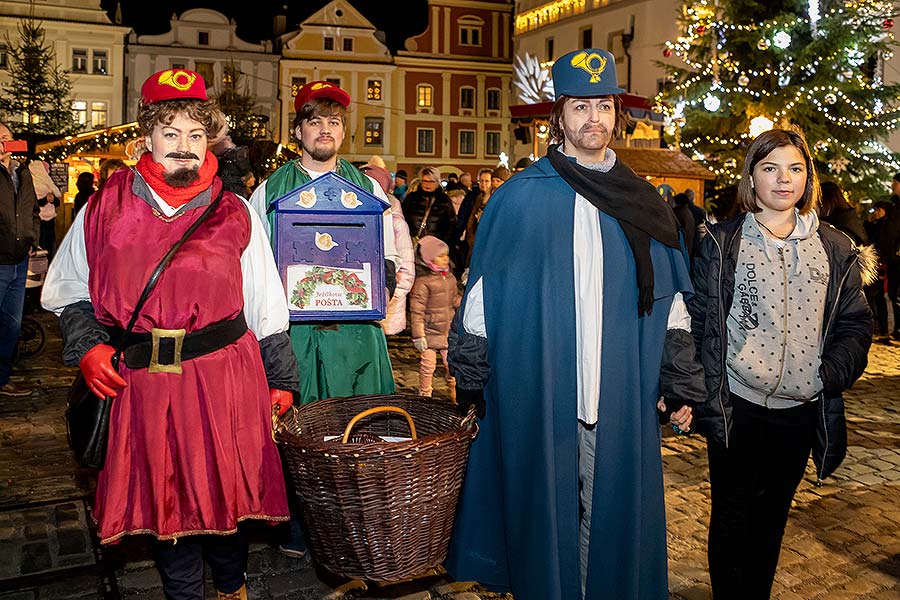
x=517, y=522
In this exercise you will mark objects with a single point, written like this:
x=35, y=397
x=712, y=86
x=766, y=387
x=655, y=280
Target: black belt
x=162, y=350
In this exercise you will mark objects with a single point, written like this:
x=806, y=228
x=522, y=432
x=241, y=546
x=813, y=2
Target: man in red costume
x=190, y=452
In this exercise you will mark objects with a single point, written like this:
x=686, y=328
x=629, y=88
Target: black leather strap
x=137, y=347
x=154, y=277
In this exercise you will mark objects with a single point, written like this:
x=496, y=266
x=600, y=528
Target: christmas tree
x=38, y=98
x=746, y=66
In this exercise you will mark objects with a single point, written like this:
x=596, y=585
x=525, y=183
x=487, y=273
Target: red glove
x=101, y=377
x=283, y=399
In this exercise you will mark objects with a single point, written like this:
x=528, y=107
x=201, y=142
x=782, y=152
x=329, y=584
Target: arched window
x=470, y=28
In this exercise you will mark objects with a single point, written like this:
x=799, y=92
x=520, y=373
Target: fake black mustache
x=182, y=155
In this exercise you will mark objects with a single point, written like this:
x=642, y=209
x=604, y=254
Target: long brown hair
x=761, y=147
x=557, y=134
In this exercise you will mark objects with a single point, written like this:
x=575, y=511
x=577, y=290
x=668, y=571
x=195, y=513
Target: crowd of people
x=571, y=305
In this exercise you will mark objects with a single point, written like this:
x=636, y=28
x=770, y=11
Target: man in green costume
x=334, y=359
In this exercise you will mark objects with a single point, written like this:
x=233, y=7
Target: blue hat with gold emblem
x=585, y=73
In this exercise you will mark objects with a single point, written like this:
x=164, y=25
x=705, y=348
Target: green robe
x=334, y=359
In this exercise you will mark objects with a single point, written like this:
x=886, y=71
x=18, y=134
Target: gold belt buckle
x=174, y=334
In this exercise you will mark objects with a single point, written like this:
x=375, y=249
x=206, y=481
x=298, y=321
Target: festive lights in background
x=813, y=69
x=91, y=142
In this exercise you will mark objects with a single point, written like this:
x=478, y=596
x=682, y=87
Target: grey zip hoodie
x=775, y=322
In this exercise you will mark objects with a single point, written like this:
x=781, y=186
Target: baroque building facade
x=86, y=43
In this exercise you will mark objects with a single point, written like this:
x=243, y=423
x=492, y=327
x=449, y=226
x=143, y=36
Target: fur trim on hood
x=868, y=264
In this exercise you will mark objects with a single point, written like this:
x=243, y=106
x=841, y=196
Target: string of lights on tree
x=748, y=66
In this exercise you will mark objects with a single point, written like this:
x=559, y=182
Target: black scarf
x=640, y=210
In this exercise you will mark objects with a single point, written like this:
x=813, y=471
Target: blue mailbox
x=329, y=248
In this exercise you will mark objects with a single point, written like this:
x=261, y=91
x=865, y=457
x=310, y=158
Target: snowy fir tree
x=38, y=98
x=744, y=66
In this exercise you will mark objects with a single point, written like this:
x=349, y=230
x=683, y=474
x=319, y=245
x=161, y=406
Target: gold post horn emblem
x=592, y=63
x=180, y=80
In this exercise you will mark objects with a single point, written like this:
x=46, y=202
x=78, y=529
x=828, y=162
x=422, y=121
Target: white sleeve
x=258, y=204
x=390, y=248
x=265, y=303
x=473, y=317
x=67, y=278
x=679, y=318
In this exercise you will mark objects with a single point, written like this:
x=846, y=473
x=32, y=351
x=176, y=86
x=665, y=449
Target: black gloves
x=466, y=398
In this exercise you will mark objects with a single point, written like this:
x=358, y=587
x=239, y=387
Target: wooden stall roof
x=662, y=162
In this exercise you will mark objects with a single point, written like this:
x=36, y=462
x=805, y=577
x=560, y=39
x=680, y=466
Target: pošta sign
x=329, y=248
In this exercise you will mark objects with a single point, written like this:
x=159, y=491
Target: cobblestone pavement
x=842, y=540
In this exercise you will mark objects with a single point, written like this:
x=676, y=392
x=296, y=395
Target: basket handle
x=374, y=410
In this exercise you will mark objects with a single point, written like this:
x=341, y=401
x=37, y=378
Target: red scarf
x=176, y=197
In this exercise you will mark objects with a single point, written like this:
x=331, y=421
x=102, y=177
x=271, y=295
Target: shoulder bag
x=87, y=415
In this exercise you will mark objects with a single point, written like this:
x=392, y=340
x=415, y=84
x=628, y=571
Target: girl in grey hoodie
x=783, y=328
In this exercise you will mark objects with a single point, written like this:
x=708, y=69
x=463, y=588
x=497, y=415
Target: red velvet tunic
x=188, y=453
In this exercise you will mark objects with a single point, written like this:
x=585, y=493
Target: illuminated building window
x=98, y=114
x=79, y=111
x=373, y=90
x=374, y=129
x=424, y=95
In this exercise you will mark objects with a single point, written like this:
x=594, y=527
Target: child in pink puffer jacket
x=432, y=302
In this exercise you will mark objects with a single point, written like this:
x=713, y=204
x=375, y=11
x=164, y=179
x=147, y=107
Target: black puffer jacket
x=847, y=334
x=441, y=218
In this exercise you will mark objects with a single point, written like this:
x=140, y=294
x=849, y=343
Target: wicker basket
x=373, y=509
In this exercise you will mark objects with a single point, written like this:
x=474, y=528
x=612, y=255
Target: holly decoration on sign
x=354, y=287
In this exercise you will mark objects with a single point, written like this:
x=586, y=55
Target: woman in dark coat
x=431, y=201
x=836, y=211
x=85, y=185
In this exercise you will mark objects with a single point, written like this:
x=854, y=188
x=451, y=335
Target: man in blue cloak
x=572, y=327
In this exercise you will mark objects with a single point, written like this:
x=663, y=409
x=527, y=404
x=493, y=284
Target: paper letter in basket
x=316, y=287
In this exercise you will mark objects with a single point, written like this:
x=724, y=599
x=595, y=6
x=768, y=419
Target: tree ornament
x=847, y=73
x=743, y=80
x=782, y=40
x=888, y=23
x=701, y=29
x=830, y=98
x=667, y=52
x=838, y=165
x=763, y=44
x=711, y=103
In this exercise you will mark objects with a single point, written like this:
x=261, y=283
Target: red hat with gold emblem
x=173, y=84
x=320, y=89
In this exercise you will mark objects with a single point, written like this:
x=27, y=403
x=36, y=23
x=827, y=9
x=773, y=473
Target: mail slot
x=329, y=248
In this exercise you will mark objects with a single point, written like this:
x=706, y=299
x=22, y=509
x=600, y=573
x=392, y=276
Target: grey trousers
x=587, y=444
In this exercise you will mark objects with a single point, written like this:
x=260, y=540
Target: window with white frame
x=424, y=95
x=467, y=97
x=79, y=60
x=98, y=114
x=491, y=143
x=348, y=44
x=374, y=129
x=79, y=111
x=470, y=30
x=466, y=141
x=425, y=140
x=328, y=42
x=99, y=66
x=493, y=99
